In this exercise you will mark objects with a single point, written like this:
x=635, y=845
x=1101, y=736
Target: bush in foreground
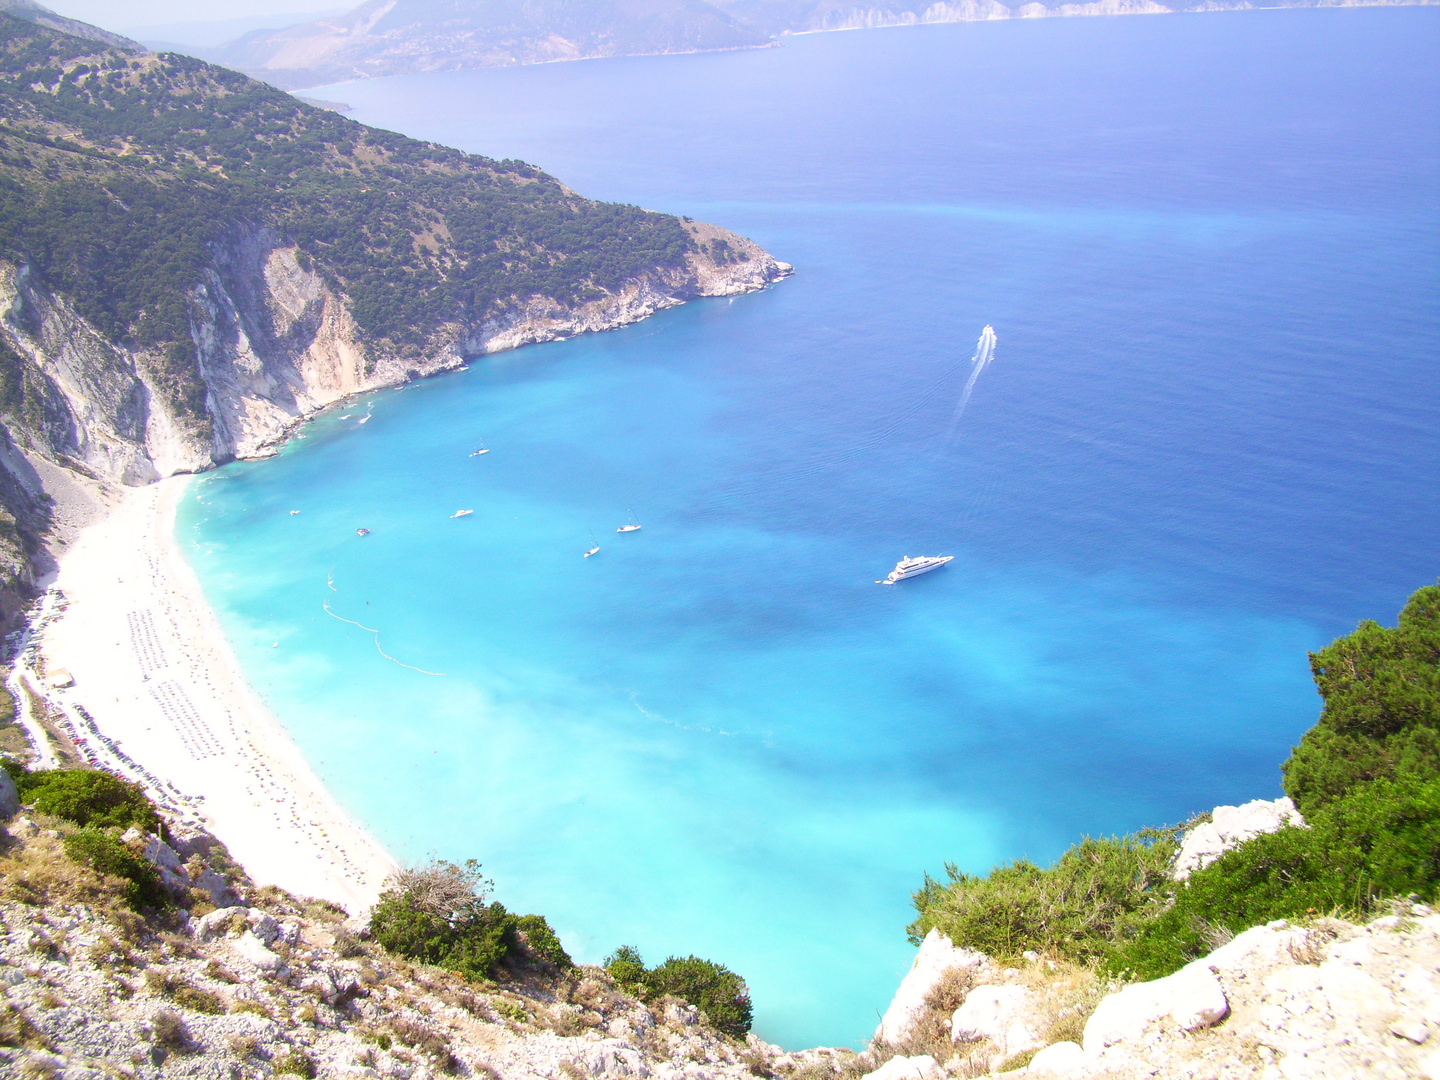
x=1381, y=718
x=89, y=797
x=1073, y=909
x=105, y=854
x=712, y=988
x=1381, y=840
x=441, y=914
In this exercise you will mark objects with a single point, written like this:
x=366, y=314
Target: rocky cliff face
x=267, y=984
x=275, y=344
x=1326, y=1000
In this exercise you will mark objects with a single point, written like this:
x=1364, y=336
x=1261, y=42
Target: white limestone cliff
x=1231, y=826
x=276, y=344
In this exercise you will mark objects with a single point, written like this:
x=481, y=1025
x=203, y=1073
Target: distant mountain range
x=393, y=37
x=399, y=37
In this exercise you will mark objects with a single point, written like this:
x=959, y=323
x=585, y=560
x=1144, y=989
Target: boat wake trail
x=984, y=351
x=330, y=581
x=810, y=469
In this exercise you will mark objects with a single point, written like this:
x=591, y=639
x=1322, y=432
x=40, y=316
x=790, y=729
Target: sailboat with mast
x=482, y=450
x=631, y=525
x=594, y=548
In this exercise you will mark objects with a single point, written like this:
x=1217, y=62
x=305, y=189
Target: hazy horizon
x=132, y=16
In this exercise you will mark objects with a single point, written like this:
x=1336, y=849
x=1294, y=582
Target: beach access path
x=159, y=697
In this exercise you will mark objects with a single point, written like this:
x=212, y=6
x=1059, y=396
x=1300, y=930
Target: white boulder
x=162, y=855
x=997, y=1013
x=1197, y=999
x=215, y=923
x=216, y=886
x=1057, y=1059
x=1231, y=826
x=253, y=949
x=1191, y=999
x=937, y=955
x=906, y=1068
x=263, y=926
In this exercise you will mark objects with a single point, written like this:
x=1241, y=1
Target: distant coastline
x=354, y=46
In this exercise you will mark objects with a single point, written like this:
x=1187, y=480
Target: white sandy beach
x=154, y=672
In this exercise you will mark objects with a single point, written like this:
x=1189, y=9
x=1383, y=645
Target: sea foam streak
x=984, y=352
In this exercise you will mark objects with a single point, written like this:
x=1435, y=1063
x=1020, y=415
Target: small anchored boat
x=483, y=449
x=914, y=566
x=593, y=549
x=294, y=512
x=462, y=513
x=631, y=525
x=362, y=532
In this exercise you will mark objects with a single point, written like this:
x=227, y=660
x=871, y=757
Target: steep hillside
x=42, y=16
x=191, y=260
x=396, y=37
x=132, y=945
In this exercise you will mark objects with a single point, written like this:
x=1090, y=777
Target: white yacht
x=631, y=525
x=462, y=513
x=593, y=549
x=482, y=450
x=914, y=566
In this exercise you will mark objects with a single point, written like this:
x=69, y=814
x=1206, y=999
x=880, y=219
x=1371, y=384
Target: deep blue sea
x=1209, y=441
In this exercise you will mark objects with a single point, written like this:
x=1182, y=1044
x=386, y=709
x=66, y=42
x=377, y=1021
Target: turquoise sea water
x=1209, y=441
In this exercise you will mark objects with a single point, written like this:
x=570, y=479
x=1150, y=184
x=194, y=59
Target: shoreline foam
x=154, y=672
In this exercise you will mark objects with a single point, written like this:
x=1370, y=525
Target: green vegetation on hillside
x=120, y=171
x=440, y=914
x=104, y=853
x=712, y=988
x=104, y=806
x=1074, y=908
x=1366, y=777
x=86, y=797
x=1382, y=708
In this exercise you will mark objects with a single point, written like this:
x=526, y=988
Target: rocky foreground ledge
x=271, y=984
x=235, y=981
x=1324, y=1001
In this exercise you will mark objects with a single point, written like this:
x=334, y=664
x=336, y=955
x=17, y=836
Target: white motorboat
x=914, y=566
x=462, y=513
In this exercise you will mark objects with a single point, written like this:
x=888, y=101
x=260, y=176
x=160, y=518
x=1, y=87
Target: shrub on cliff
x=440, y=914
x=712, y=988
x=105, y=854
x=1383, y=839
x=1366, y=777
x=1381, y=719
x=1073, y=909
x=88, y=797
